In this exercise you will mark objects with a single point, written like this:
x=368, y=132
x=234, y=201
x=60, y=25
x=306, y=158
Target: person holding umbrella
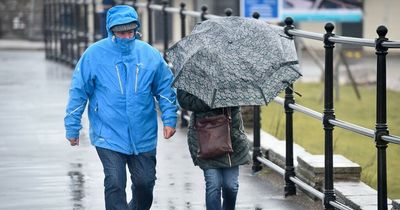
x=220, y=173
x=225, y=63
x=122, y=78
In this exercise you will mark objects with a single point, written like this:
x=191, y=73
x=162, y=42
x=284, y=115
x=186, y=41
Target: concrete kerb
x=396, y=204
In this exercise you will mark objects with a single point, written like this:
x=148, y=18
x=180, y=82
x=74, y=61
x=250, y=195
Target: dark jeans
x=142, y=168
x=225, y=180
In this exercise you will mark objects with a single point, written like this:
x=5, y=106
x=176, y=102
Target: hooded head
x=122, y=17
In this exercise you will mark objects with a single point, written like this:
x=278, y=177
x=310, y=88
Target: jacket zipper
x=119, y=80
x=137, y=75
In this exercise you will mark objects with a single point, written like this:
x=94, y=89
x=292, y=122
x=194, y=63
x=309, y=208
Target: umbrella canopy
x=234, y=61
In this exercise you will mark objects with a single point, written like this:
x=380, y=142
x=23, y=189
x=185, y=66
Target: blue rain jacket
x=121, y=79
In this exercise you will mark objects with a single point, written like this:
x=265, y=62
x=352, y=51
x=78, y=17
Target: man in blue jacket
x=122, y=77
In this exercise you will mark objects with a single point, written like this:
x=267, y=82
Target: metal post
x=328, y=114
x=256, y=15
x=94, y=15
x=290, y=187
x=51, y=29
x=184, y=122
x=381, y=127
x=73, y=32
x=183, y=19
x=63, y=31
x=165, y=17
x=77, y=25
x=150, y=22
x=204, y=9
x=228, y=12
x=63, y=36
x=134, y=5
x=45, y=27
x=86, y=25
x=256, y=130
x=256, y=139
x=58, y=30
x=70, y=31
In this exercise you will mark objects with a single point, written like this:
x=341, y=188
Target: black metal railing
x=67, y=34
x=66, y=29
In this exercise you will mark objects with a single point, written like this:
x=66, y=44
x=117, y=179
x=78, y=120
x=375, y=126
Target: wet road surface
x=39, y=170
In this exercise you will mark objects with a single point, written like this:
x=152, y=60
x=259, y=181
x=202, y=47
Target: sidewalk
x=39, y=170
x=17, y=44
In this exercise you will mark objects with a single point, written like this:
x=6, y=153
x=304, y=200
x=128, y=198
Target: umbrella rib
x=284, y=36
x=262, y=93
x=213, y=98
x=176, y=77
x=290, y=64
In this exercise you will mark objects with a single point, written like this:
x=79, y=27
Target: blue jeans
x=142, y=168
x=225, y=180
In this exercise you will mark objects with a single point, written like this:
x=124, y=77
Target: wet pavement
x=39, y=170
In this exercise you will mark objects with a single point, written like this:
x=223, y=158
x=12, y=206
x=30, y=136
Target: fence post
x=228, y=12
x=381, y=127
x=95, y=22
x=77, y=14
x=329, y=193
x=46, y=27
x=134, y=5
x=69, y=31
x=86, y=25
x=58, y=30
x=184, y=122
x=73, y=33
x=150, y=21
x=165, y=17
x=183, y=19
x=204, y=9
x=63, y=31
x=256, y=130
x=54, y=29
x=52, y=34
x=290, y=187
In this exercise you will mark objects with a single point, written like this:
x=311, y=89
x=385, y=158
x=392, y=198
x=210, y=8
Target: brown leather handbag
x=214, y=135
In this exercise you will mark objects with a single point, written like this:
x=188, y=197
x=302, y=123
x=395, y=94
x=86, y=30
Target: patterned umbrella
x=234, y=61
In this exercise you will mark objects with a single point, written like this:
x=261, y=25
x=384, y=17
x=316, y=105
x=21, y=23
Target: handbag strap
x=227, y=112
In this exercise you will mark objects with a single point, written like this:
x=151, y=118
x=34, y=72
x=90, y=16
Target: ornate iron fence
x=67, y=35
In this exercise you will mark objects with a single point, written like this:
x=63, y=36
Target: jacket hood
x=121, y=14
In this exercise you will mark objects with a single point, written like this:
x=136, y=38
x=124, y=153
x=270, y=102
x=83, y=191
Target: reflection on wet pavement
x=77, y=185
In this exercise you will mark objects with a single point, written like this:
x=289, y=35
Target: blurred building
x=21, y=19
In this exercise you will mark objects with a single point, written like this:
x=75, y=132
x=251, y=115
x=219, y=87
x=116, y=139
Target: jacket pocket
x=98, y=123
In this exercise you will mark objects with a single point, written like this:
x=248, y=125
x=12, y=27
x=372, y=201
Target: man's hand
x=168, y=132
x=74, y=141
